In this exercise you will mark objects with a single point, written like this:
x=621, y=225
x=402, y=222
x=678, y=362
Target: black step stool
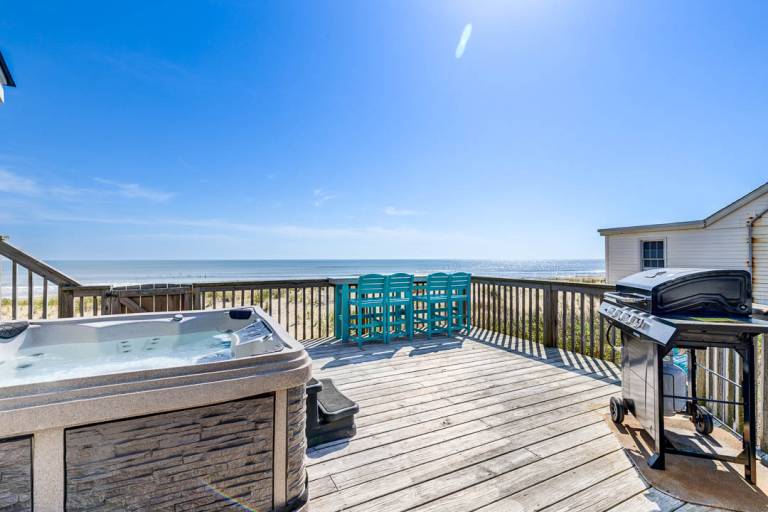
x=330, y=414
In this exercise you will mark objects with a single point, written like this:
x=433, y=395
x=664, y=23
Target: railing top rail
x=263, y=283
x=164, y=288
x=35, y=265
x=555, y=283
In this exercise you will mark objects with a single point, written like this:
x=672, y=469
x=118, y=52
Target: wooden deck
x=480, y=422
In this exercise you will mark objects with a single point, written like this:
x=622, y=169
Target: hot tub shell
x=81, y=433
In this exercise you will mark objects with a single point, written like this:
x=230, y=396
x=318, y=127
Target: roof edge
x=669, y=226
x=692, y=224
x=8, y=78
x=722, y=212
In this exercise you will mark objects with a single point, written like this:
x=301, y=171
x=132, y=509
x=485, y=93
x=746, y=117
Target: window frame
x=663, y=242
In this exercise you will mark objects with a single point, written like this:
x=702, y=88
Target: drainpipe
x=750, y=223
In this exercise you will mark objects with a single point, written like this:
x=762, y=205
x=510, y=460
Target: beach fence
x=505, y=312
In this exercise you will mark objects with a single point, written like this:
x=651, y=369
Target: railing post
x=549, y=316
x=66, y=303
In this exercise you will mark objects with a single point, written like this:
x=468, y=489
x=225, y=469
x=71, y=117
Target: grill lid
x=667, y=291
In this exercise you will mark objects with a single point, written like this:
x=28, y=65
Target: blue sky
x=235, y=129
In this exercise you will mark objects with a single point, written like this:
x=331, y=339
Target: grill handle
x=627, y=298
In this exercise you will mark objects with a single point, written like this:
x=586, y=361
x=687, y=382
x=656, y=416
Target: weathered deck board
x=462, y=424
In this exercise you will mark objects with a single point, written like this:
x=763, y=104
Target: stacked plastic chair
x=436, y=308
x=460, y=307
x=370, y=302
x=399, y=295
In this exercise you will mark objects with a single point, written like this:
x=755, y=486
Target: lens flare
x=241, y=505
x=465, y=35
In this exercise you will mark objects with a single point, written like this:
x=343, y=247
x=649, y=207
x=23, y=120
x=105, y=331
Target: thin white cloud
x=136, y=191
x=291, y=231
x=14, y=184
x=321, y=196
x=393, y=211
x=465, y=35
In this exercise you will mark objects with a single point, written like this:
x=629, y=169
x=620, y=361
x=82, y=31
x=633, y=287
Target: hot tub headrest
x=10, y=330
x=240, y=314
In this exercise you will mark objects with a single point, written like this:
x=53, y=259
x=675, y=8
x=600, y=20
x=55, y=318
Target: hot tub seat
x=330, y=414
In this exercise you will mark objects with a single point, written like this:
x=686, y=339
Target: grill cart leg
x=657, y=459
x=748, y=389
x=692, y=379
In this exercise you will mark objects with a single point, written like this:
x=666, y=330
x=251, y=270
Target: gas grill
x=694, y=309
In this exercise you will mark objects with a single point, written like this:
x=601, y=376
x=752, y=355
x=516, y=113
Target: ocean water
x=116, y=272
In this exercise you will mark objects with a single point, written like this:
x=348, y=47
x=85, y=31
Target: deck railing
x=305, y=307
x=553, y=313
x=31, y=282
x=565, y=315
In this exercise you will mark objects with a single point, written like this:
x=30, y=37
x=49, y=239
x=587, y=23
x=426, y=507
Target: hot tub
x=187, y=411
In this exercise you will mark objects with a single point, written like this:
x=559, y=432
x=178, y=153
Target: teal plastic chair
x=370, y=302
x=459, y=289
x=436, y=301
x=399, y=306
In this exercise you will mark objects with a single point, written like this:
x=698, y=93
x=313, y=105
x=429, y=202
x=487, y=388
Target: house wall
x=722, y=244
x=708, y=247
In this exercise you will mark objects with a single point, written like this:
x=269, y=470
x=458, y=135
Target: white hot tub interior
x=51, y=351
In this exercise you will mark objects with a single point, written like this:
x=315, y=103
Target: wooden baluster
x=328, y=311
x=571, y=327
x=485, y=306
x=591, y=325
x=518, y=313
x=504, y=315
x=303, y=312
x=14, y=289
x=30, y=296
x=287, y=309
x=523, y=313
x=582, y=339
x=564, y=325
x=601, y=333
x=530, y=315
x=538, y=316
x=45, y=298
x=312, y=313
x=296, y=317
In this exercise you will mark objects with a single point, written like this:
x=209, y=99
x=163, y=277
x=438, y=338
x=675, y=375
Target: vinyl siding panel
x=708, y=247
x=738, y=218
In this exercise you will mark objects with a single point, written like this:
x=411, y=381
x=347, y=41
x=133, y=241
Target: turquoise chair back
x=459, y=283
x=371, y=286
x=400, y=286
x=438, y=282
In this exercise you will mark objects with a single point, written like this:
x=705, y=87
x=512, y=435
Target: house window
x=653, y=254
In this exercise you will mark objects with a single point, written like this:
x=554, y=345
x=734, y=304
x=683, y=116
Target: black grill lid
x=666, y=291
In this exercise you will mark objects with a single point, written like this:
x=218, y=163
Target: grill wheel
x=704, y=424
x=617, y=410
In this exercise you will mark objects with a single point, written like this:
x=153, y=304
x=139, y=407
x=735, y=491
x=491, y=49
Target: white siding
x=708, y=247
x=722, y=244
x=760, y=255
x=738, y=218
